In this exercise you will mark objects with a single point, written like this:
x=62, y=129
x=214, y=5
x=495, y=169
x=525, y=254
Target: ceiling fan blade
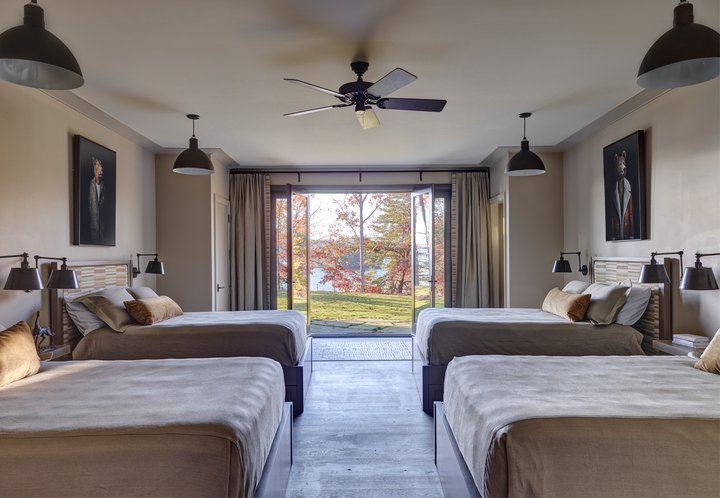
x=317, y=109
x=395, y=79
x=429, y=105
x=368, y=119
x=315, y=87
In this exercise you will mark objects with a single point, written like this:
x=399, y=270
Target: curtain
x=471, y=240
x=249, y=241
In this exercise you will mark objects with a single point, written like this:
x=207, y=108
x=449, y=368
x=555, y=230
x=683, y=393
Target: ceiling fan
x=365, y=94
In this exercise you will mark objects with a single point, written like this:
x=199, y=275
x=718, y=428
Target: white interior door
x=222, y=254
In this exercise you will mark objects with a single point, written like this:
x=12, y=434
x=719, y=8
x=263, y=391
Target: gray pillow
x=109, y=306
x=141, y=292
x=605, y=302
x=576, y=287
x=85, y=320
x=635, y=306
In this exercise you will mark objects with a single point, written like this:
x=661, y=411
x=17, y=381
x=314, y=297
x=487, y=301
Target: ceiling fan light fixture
x=525, y=162
x=32, y=56
x=687, y=54
x=193, y=161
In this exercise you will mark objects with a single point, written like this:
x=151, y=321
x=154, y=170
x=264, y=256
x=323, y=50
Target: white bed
x=571, y=426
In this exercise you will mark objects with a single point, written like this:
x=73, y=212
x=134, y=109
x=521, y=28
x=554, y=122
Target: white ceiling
x=148, y=63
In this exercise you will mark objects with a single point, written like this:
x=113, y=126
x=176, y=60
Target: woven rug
x=362, y=349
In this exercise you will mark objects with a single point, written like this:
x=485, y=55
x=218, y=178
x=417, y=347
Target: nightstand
x=668, y=347
x=54, y=353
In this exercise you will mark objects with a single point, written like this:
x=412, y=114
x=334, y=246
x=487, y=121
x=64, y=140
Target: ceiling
x=148, y=63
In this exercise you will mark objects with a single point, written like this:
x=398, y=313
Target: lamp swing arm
x=653, y=261
x=62, y=267
x=581, y=267
x=24, y=255
x=698, y=255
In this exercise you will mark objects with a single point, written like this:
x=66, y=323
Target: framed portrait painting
x=93, y=193
x=624, y=174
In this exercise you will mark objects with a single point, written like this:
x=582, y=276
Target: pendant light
x=687, y=54
x=32, y=56
x=193, y=161
x=525, y=162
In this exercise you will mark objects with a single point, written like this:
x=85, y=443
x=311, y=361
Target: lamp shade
x=653, y=274
x=62, y=279
x=193, y=161
x=155, y=267
x=32, y=56
x=687, y=54
x=698, y=279
x=23, y=278
x=525, y=162
x=561, y=266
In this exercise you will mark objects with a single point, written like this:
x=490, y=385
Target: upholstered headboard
x=90, y=276
x=656, y=322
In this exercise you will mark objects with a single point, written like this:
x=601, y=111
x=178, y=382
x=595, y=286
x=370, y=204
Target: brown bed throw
x=277, y=334
x=197, y=427
x=610, y=426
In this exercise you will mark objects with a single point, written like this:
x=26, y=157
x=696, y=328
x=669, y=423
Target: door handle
x=219, y=287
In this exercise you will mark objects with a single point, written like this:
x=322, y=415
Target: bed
x=442, y=334
x=277, y=334
x=194, y=427
x=571, y=426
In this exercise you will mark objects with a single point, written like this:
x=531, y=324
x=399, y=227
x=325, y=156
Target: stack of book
x=697, y=342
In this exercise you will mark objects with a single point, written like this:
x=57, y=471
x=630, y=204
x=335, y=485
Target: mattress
x=197, y=427
x=444, y=333
x=611, y=426
x=277, y=334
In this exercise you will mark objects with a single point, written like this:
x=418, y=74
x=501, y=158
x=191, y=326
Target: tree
x=391, y=242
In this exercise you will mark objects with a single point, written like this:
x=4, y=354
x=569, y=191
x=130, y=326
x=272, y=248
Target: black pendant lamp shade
x=699, y=277
x=154, y=266
x=193, y=161
x=525, y=162
x=687, y=54
x=23, y=278
x=32, y=56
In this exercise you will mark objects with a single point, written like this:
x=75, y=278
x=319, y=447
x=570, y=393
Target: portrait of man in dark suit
x=624, y=174
x=94, y=194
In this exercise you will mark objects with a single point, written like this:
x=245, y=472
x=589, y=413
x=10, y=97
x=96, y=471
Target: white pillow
x=576, y=287
x=85, y=320
x=636, y=304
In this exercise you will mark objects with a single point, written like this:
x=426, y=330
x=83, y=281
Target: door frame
x=219, y=199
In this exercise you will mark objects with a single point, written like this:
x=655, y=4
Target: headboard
x=90, y=276
x=656, y=322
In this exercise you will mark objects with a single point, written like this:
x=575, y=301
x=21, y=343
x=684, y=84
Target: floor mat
x=361, y=349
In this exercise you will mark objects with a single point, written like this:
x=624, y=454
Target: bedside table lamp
x=562, y=265
x=699, y=277
x=24, y=278
x=654, y=273
x=62, y=278
x=155, y=266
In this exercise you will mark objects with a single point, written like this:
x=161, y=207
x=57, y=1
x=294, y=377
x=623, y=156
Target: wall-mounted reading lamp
x=153, y=266
x=699, y=277
x=62, y=278
x=654, y=272
x=562, y=265
x=24, y=278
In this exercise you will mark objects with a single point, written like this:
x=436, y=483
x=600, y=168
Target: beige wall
x=184, y=205
x=35, y=187
x=683, y=186
x=534, y=223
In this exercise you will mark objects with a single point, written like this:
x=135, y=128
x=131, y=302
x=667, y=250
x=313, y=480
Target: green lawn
x=356, y=307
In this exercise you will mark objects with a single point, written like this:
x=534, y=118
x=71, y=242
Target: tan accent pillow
x=108, y=305
x=566, y=305
x=710, y=359
x=153, y=309
x=141, y=292
x=18, y=354
x=606, y=301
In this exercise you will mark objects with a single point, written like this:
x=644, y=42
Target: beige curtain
x=249, y=268
x=471, y=240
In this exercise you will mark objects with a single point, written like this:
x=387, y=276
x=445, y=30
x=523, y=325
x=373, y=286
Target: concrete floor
x=363, y=434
